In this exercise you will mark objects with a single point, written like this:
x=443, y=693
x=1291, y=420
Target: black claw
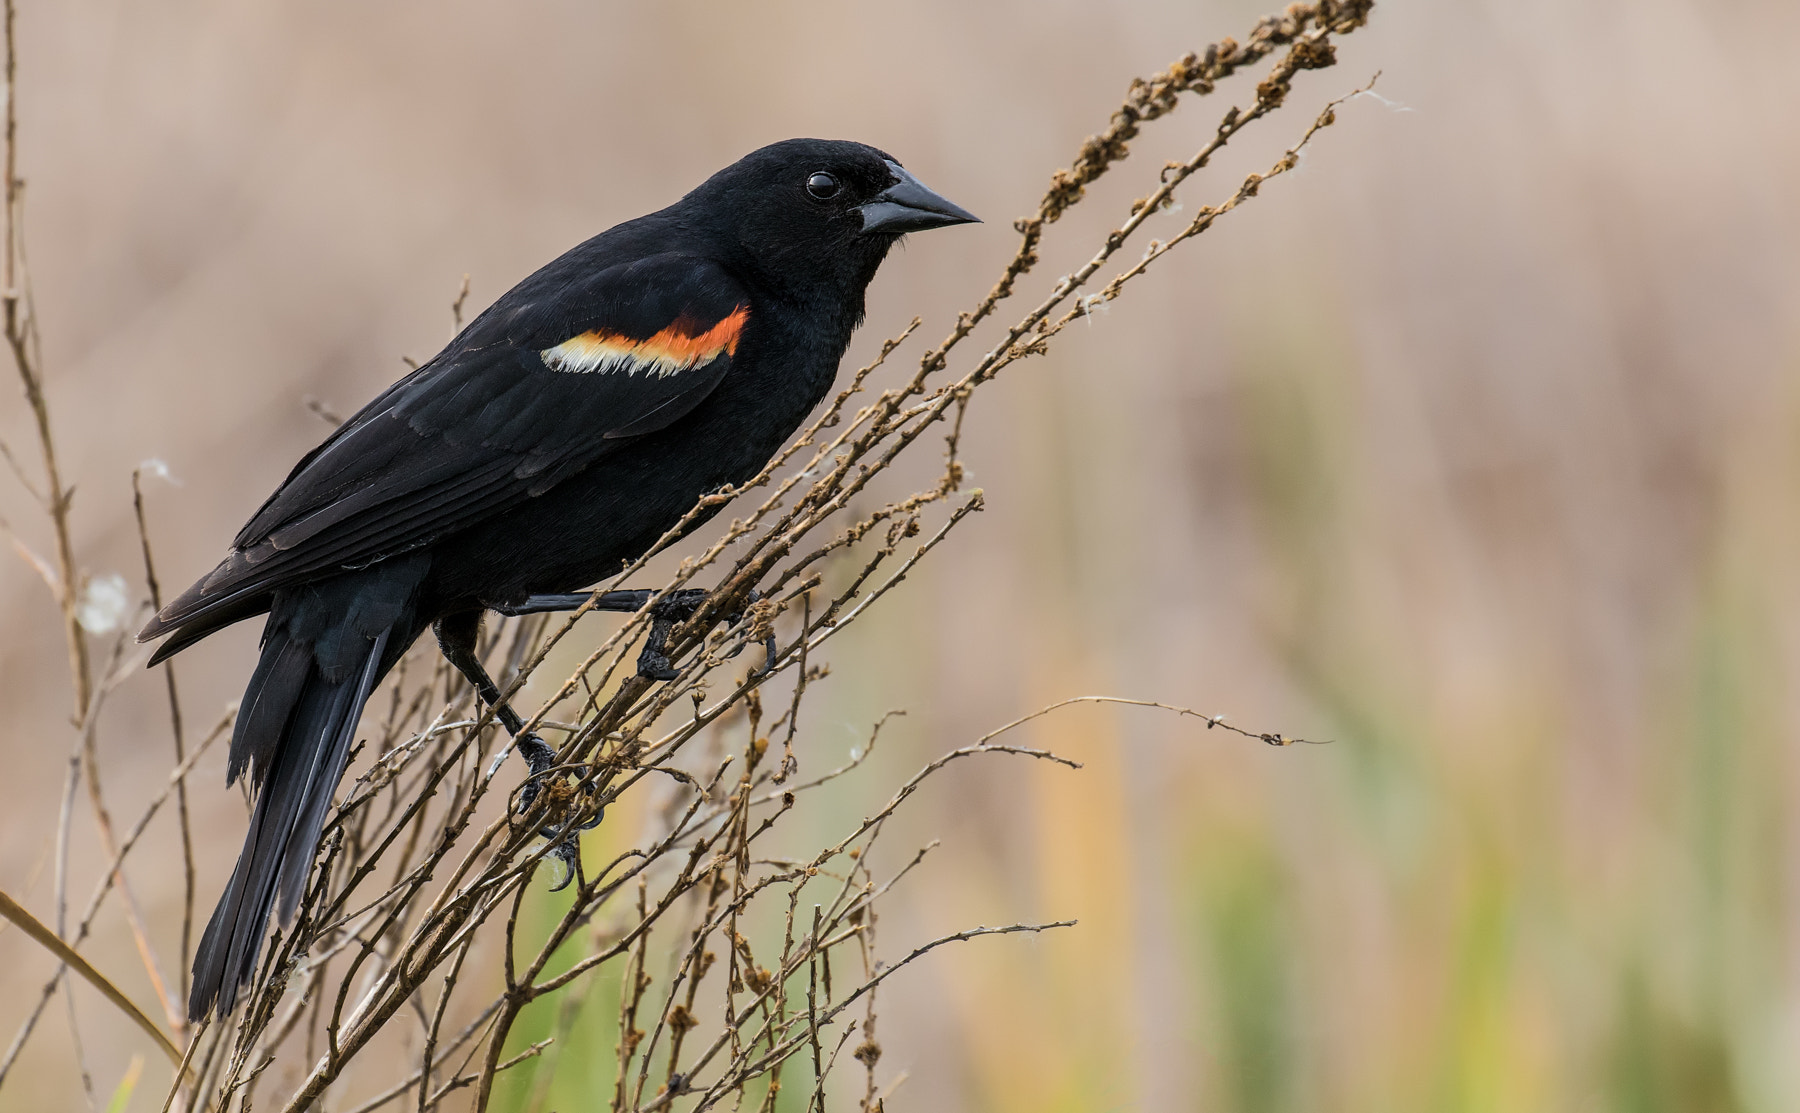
x=653, y=663
x=568, y=852
x=567, y=847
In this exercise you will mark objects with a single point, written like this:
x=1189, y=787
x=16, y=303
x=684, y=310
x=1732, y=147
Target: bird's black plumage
x=563, y=431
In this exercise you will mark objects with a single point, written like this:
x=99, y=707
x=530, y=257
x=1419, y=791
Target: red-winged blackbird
x=564, y=431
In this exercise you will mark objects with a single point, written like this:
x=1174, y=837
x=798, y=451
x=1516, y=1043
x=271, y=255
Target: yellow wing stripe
x=684, y=344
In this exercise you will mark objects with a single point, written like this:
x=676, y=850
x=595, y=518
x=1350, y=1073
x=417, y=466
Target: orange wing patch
x=684, y=344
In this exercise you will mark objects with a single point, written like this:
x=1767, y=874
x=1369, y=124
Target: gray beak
x=908, y=206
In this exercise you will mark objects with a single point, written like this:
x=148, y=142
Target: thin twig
x=20, y=328
x=181, y=805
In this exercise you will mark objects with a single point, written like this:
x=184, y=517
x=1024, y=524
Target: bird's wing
x=538, y=387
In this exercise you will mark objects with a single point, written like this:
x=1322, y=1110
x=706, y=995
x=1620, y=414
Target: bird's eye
x=822, y=185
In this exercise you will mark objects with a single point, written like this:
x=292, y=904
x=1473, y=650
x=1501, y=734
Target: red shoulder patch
x=685, y=343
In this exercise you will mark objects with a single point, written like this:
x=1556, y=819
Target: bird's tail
x=292, y=736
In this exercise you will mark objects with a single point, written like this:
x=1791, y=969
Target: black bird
x=562, y=432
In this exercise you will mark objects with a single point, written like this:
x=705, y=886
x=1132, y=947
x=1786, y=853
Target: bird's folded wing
x=542, y=384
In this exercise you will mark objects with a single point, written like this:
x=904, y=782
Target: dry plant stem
x=1211, y=720
x=812, y=1010
x=175, y=730
x=20, y=326
x=17, y=915
x=134, y=917
x=1146, y=101
x=757, y=1066
x=741, y=1016
x=399, y=1090
x=1206, y=216
x=185, y=1072
x=696, y=961
x=859, y=756
x=631, y=998
x=21, y=338
x=76, y=1044
x=61, y=885
x=104, y=885
x=868, y=1052
x=462, y=952
x=176, y=778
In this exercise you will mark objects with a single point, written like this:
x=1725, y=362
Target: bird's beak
x=909, y=206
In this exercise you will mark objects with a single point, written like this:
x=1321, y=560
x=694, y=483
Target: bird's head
x=805, y=210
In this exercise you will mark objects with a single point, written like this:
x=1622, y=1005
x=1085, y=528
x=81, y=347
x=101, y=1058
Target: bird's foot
x=564, y=836
x=679, y=606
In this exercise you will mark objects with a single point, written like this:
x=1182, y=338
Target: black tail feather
x=269, y=702
x=294, y=734
x=325, y=647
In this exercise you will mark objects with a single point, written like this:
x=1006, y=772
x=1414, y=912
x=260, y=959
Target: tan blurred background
x=1470, y=446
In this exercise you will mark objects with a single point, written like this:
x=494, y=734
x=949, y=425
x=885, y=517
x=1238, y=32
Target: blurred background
x=1470, y=446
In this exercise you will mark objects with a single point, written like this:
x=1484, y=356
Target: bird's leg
x=457, y=635
x=676, y=606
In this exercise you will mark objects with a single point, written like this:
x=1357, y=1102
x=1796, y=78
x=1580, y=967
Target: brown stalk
x=21, y=338
x=175, y=731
